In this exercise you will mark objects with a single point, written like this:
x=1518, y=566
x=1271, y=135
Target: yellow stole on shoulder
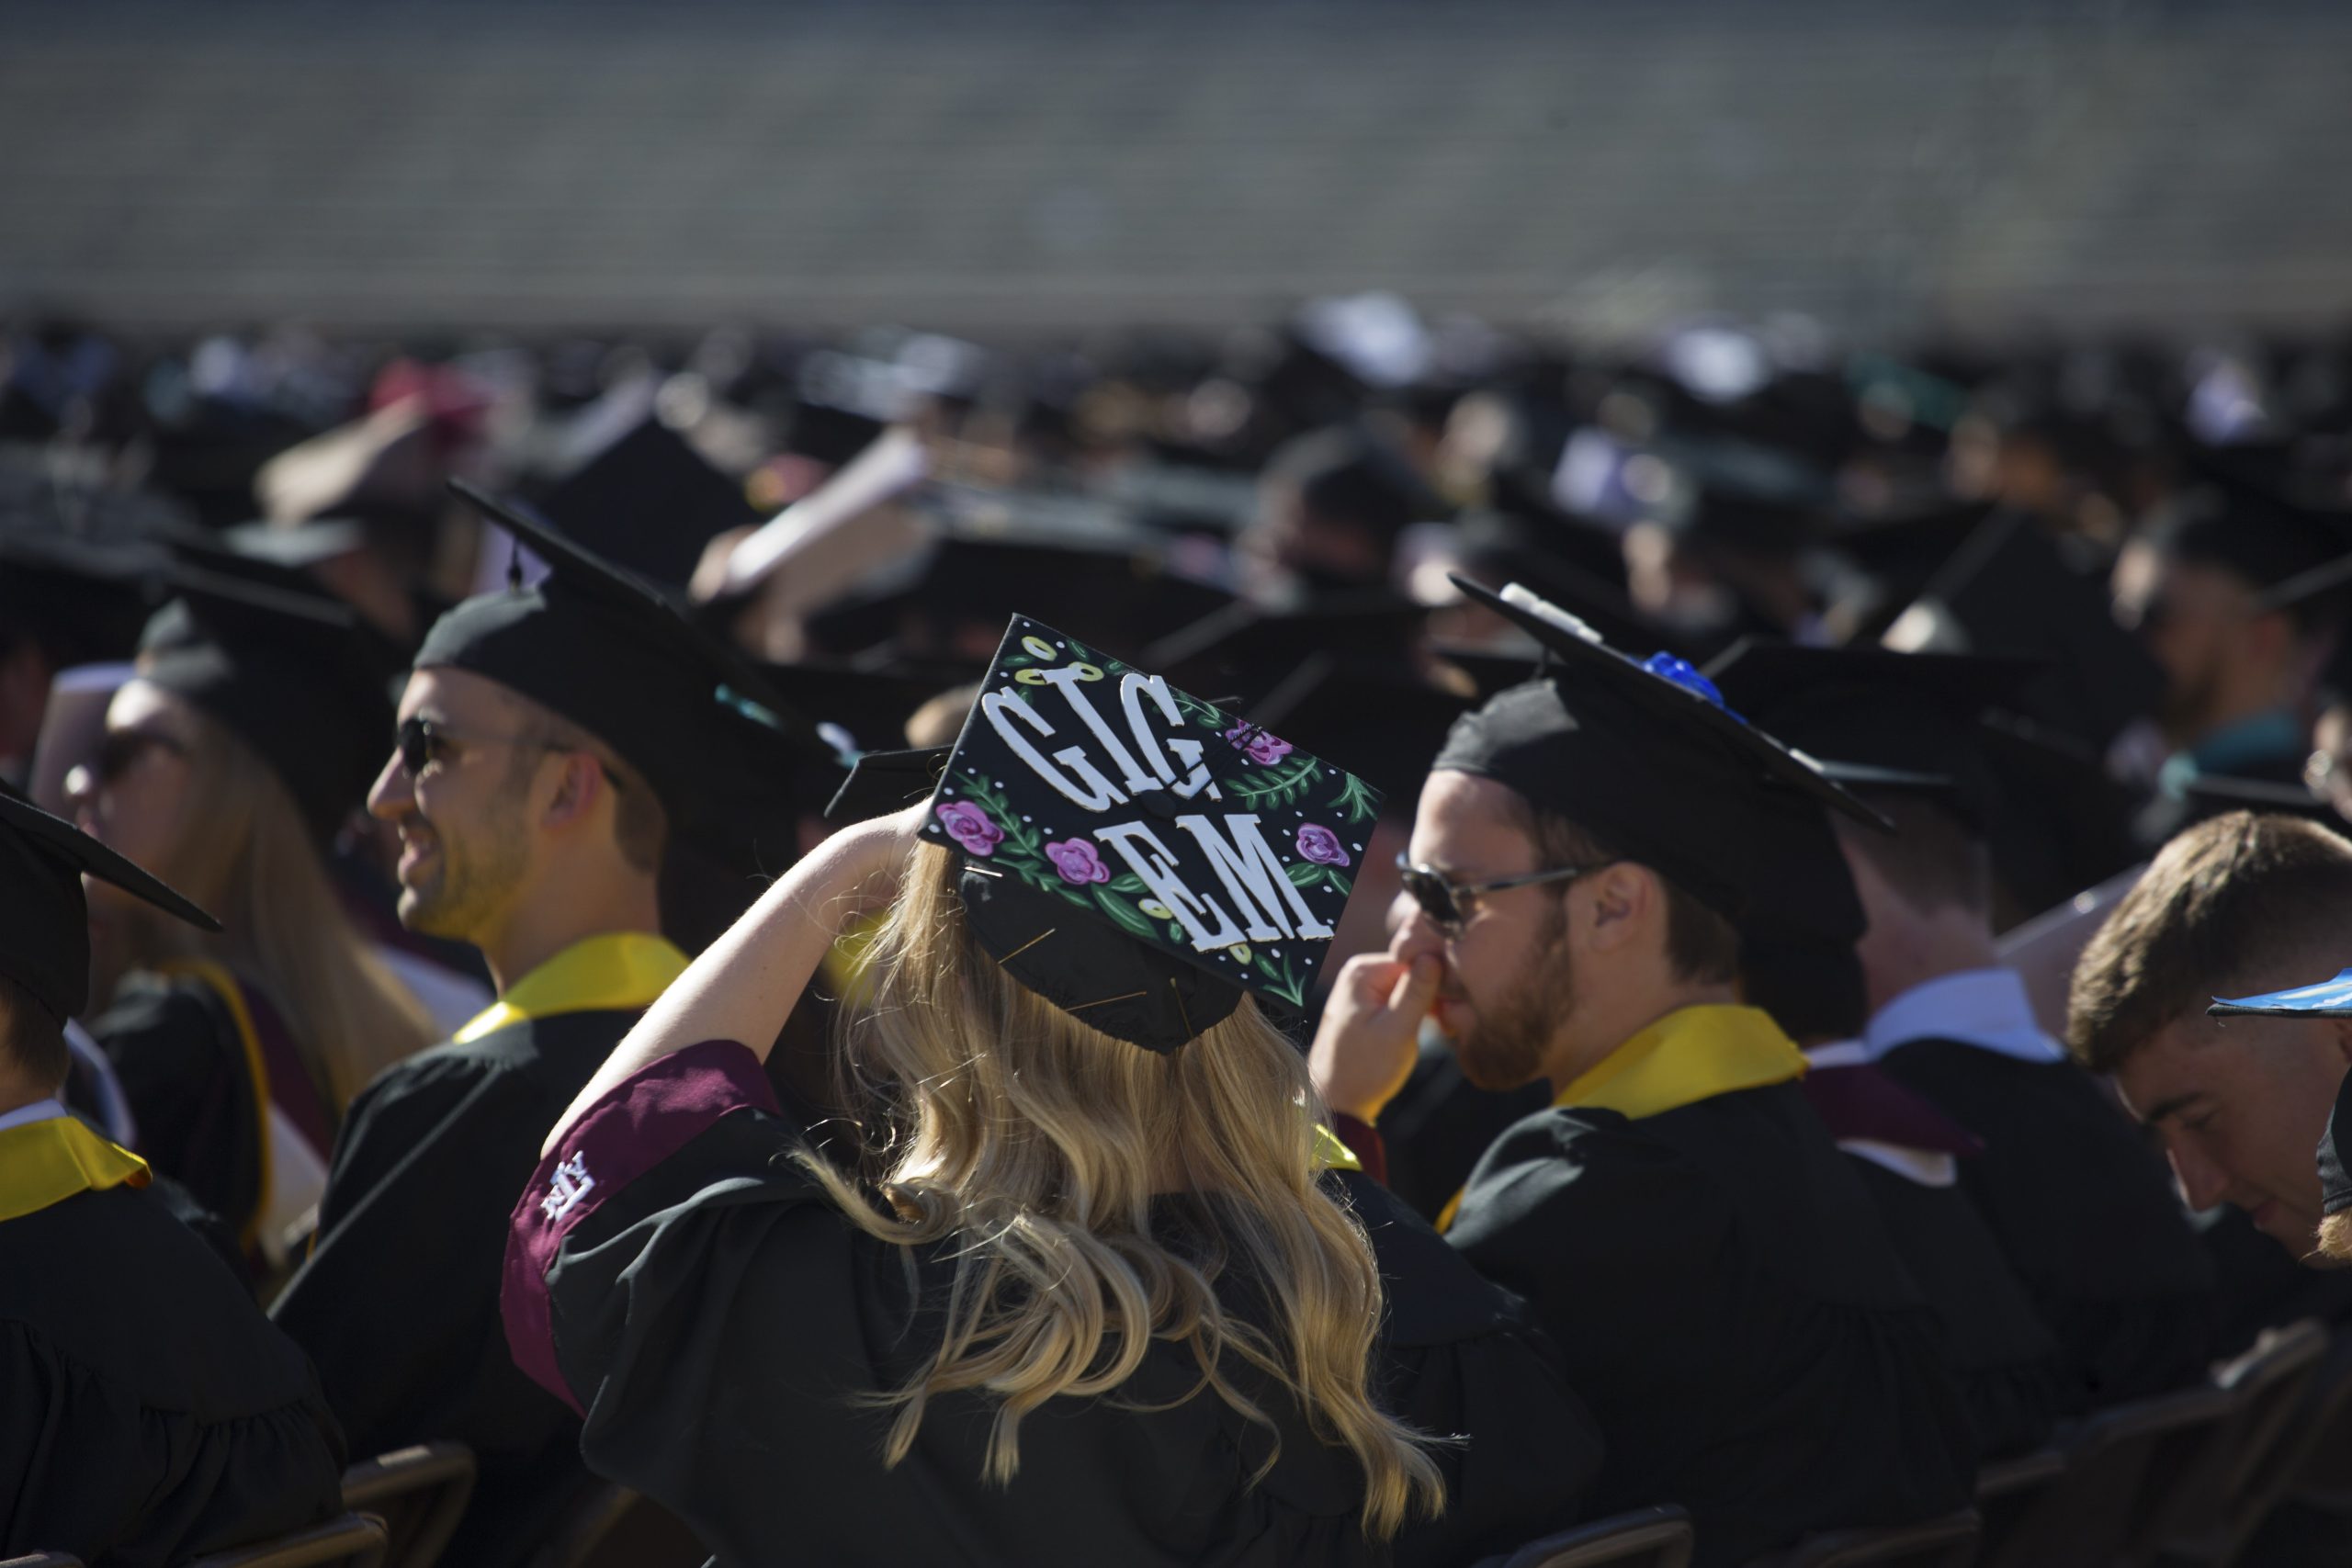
x=1692, y=1054
x=48, y=1161
x=620, y=971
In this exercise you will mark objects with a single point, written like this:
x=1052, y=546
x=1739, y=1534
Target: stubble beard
x=1506, y=1047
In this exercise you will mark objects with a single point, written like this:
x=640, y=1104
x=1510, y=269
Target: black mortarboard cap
x=2009, y=591
x=291, y=674
x=614, y=655
x=1797, y=944
x=1134, y=855
x=649, y=502
x=44, y=922
x=1876, y=718
x=1643, y=755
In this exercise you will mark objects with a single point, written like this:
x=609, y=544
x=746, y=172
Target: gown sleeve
x=674, y=1278
x=184, y=1075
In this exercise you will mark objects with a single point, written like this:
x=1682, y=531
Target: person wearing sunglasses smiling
x=555, y=745
x=1713, y=1270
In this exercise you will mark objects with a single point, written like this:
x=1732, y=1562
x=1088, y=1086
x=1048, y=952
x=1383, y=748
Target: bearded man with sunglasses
x=554, y=743
x=1712, y=1268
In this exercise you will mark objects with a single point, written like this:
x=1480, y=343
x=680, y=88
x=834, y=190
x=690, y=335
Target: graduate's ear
x=579, y=786
x=1623, y=898
x=2340, y=1029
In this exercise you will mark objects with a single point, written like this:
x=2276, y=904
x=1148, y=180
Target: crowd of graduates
x=1354, y=942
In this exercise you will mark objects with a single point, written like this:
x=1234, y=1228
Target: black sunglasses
x=423, y=743
x=1444, y=902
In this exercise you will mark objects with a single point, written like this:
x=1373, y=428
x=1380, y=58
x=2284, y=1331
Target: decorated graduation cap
x=606, y=652
x=1134, y=855
x=44, y=922
x=1875, y=719
x=1644, y=753
x=289, y=673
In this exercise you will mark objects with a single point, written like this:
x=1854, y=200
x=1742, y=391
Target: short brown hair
x=1932, y=859
x=1701, y=945
x=2227, y=893
x=33, y=1036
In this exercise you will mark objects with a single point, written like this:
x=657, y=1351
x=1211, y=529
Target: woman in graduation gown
x=1051, y=1295
x=230, y=763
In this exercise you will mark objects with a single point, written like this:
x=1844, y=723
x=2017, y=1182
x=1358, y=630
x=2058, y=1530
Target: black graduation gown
x=1727, y=1302
x=148, y=1411
x=2003, y=1357
x=2086, y=1212
x=1440, y=1122
x=183, y=1067
x=398, y=1302
x=723, y=1322
x=183, y=1062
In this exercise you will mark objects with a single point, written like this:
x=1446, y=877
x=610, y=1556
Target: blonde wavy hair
x=248, y=858
x=1039, y=1145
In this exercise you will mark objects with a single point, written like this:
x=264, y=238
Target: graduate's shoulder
x=112, y=1282
x=1597, y=1169
x=568, y=1045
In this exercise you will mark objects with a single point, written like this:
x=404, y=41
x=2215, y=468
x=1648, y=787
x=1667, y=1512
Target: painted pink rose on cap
x=1322, y=845
x=1076, y=860
x=970, y=827
x=1260, y=747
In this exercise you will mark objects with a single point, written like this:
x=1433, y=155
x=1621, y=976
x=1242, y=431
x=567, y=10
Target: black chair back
x=2090, y=1513
x=1646, y=1538
x=420, y=1494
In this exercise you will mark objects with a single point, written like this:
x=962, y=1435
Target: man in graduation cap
x=151, y=1412
x=1708, y=1261
x=558, y=744
x=2082, y=1210
x=2215, y=587
x=1799, y=963
x=2242, y=905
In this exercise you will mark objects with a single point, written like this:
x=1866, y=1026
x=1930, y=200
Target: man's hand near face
x=1368, y=1042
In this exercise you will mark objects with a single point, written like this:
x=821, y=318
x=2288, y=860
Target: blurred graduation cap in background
x=649, y=502
x=2009, y=591
x=1942, y=727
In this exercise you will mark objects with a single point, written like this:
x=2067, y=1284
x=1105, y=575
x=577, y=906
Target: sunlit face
x=132, y=795
x=2240, y=1105
x=463, y=820
x=1504, y=987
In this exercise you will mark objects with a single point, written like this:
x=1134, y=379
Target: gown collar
x=619, y=971
x=1985, y=1007
x=1691, y=1053
x=50, y=1159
